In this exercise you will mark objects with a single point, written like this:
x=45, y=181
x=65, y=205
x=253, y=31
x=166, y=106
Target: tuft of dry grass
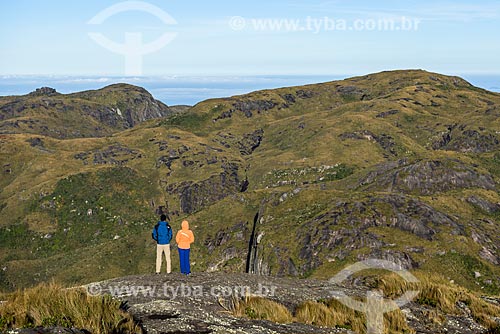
x=329, y=313
x=438, y=293
x=395, y=322
x=333, y=313
x=262, y=308
x=51, y=305
x=254, y=307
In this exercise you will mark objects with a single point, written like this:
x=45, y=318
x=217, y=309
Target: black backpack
x=156, y=230
x=169, y=230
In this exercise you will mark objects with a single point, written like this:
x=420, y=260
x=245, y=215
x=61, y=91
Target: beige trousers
x=160, y=249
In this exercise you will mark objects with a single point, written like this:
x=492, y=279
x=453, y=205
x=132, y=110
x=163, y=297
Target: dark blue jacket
x=162, y=233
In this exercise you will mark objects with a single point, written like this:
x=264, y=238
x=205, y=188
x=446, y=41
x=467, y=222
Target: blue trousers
x=184, y=258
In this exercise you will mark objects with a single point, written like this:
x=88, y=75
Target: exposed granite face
x=44, y=91
x=197, y=310
x=353, y=92
x=174, y=303
x=250, y=142
x=197, y=195
x=249, y=107
x=112, y=155
x=484, y=204
x=325, y=234
x=94, y=113
x=489, y=242
x=385, y=141
x=427, y=177
x=460, y=139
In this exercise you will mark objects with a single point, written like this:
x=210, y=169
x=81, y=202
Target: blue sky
x=52, y=38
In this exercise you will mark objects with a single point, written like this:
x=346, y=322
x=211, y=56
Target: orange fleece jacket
x=184, y=237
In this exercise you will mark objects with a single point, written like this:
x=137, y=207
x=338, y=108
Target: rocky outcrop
x=250, y=142
x=484, y=205
x=10, y=109
x=388, y=113
x=401, y=259
x=385, y=141
x=305, y=94
x=251, y=106
x=352, y=92
x=44, y=91
x=489, y=242
x=426, y=177
x=344, y=228
x=238, y=232
x=173, y=155
x=246, y=144
x=36, y=142
x=254, y=258
x=117, y=155
x=460, y=139
x=248, y=108
x=197, y=195
x=300, y=94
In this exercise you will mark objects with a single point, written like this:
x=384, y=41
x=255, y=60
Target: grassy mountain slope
x=95, y=113
x=397, y=165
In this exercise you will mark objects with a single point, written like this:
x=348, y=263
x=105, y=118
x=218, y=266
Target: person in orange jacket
x=184, y=239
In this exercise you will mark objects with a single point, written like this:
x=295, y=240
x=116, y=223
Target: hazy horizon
x=189, y=90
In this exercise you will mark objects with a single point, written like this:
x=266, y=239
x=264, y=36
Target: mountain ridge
x=92, y=113
x=398, y=165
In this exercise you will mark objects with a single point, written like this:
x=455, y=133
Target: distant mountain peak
x=44, y=91
x=91, y=113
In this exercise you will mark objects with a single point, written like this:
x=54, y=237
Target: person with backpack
x=184, y=239
x=162, y=234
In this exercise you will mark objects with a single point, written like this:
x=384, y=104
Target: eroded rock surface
x=327, y=232
x=198, y=304
x=427, y=177
x=196, y=195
